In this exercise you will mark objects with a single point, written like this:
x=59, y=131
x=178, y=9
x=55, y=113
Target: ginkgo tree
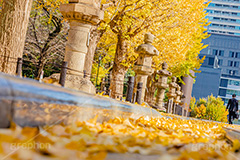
x=177, y=24
x=13, y=27
x=180, y=45
x=14, y=23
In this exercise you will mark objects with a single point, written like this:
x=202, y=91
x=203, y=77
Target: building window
x=233, y=83
x=218, y=52
x=226, y=6
x=235, y=72
x=236, y=64
x=220, y=62
x=230, y=63
x=216, y=18
x=231, y=54
x=229, y=71
x=221, y=53
x=224, y=83
x=231, y=92
x=211, y=5
x=215, y=52
x=237, y=55
x=211, y=61
x=232, y=72
x=222, y=92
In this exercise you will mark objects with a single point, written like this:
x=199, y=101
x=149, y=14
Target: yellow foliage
x=51, y=5
x=177, y=24
x=200, y=111
x=211, y=109
x=164, y=137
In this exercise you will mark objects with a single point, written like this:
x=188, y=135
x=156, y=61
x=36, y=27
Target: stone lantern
x=143, y=67
x=81, y=14
x=162, y=85
x=171, y=94
x=177, y=99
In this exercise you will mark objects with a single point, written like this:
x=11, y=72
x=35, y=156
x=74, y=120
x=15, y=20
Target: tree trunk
x=40, y=67
x=117, y=82
x=13, y=27
x=118, y=71
x=93, y=41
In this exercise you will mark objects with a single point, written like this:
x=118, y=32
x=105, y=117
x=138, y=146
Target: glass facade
x=224, y=16
x=234, y=54
x=220, y=62
x=233, y=83
x=231, y=92
x=228, y=87
x=218, y=52
x=223, y=43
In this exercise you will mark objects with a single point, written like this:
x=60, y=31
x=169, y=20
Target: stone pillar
x=103, y=84
x=187, y=91
x=162, y=85
x=182, y=104
x=171, y=94
x=81, y=14
x=177, y=99
x=143, y=68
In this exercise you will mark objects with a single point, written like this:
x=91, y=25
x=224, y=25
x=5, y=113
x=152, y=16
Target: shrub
x=211, y=108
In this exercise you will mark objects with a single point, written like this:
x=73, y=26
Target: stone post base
x=170, y=105
x=161, y=109
x=159, y=98
x=77, y=82
x=140, y=78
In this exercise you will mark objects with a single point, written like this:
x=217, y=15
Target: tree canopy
x=177, y=24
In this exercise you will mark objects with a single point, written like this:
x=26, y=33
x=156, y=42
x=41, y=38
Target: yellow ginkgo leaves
x=180, y=139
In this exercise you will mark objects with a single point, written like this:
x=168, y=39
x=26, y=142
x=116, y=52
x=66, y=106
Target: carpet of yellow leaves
x=165, y=137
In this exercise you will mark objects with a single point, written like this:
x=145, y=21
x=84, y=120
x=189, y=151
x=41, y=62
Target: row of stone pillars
x=175, y=97
x=82, y=15
x=143, y=69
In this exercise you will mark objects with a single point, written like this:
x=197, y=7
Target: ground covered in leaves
x=167, y=138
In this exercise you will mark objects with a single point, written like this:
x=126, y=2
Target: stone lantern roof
x=87, y=11
x=147, y=48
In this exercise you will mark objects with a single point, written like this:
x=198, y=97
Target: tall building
x=225, y=17
x=220, y=74
x=208, y=80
